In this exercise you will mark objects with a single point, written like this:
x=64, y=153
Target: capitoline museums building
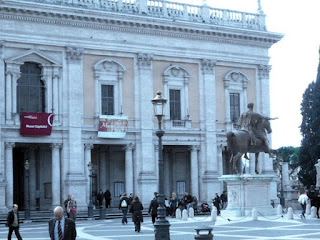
x=76, y=80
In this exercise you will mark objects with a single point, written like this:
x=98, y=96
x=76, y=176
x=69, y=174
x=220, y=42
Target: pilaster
x=75, y=180
x=55, y=175
x=32, y=176
x=194, y=171
x=210, y=150
x=147, y=178
x=87, y=159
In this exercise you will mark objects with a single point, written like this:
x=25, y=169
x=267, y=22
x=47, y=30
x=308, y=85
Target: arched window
x=30, y=89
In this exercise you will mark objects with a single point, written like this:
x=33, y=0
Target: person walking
x=61, y=228
x=224, y=199
x=173, y=204
x=217, y=203
x=136, y=210
x=13, y=222
x=72, y=208
x=66, y=205
x=100, y=197
x=317, y=202
x=107, y=197
x=123, y=206
x=153, y=208
x=303, y=198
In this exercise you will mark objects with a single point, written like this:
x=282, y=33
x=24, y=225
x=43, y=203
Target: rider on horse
x=249, y=122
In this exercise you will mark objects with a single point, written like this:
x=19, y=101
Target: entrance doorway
x=18, y=177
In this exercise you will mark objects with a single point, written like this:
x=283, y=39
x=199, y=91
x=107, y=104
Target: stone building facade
x=84, y=59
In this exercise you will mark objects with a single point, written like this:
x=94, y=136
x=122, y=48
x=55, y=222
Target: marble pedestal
x=246, y=192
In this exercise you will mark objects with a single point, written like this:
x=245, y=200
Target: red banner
x=36, y=124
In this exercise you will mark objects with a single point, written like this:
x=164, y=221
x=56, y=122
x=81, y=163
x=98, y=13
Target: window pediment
x=33, y=56
x=176, y=71
x=236, y=76
x=108, y=66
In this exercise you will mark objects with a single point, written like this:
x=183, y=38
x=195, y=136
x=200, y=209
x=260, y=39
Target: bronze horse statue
x=239, y=143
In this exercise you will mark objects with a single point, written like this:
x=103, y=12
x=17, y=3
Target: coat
x=70, y=232
x=10, y=218
x=136, y=210
x=124, y=199
x=153, y=209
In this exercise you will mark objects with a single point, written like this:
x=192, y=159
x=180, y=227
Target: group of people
x=134, y=206
x=60, y=227
x=71, y=207
x=313, y=196
x=104, y=195
x=220, y=202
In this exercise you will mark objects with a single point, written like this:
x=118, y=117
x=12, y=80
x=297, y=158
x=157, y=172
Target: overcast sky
x=294, y=59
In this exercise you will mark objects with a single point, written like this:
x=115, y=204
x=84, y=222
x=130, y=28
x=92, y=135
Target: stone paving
x=244, y=229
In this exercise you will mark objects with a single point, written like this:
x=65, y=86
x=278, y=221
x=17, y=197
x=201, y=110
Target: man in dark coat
x=153, y=208
x=107, y=197
x=61, y=227
x=187, y=199
x=217, y=203
x=13, y=222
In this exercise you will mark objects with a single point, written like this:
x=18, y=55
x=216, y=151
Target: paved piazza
x=223, y=230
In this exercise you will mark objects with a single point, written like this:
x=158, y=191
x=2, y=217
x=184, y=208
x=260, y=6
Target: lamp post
x=282, y=200
x=26, y=191
x=161, y=226
x=90, y=206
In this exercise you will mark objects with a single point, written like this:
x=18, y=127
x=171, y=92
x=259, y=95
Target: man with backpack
x=123, y=205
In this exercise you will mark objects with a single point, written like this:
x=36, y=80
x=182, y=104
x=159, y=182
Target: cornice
x=141, y=25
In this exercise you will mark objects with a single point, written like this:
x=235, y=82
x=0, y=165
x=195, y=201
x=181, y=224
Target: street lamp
x=26, y=191
x=279, y=166
x=90, y=206
x=161, y=226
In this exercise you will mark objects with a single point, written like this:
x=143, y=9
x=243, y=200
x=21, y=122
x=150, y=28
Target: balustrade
x=170, y=9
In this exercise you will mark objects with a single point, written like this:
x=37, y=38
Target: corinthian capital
x=208, y=65
x=74, y=54
x=263, y=71
x=145, y=60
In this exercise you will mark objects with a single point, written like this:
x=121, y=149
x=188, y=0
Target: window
x=234, y=107
x=181, y=188
x=118, y=189
x=175, y=105
x=30, y=89
x=107, y=100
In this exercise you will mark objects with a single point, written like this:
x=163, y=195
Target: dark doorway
x=18, y=177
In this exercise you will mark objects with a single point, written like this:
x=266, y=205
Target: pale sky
x=294, y=59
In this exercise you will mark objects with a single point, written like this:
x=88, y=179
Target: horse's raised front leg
x=256, y=163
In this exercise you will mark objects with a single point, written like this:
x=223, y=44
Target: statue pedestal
x=246, y=192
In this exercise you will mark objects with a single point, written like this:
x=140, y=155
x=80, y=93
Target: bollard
x=214, y=214
x=103, y=210
x=313, y=212
x=204, y=236
x=290, y=213
x=185, y=215
x=178, y=213
x=254, y=214
x=279, y=209
x=308, y=209
x=191, y=212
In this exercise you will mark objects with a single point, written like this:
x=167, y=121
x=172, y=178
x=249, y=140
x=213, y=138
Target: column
x=147, y=178
x=8, y=96
x=194, y=171
x=15, y=77
x=55, y=94
x=166, y=167
x=129, y=168
x=9, y=173
x=2, y=82
x=55, y=175
x=87, y=159
x=32, y=177
x=285, y=175
x=227, y=100
x=102, y=168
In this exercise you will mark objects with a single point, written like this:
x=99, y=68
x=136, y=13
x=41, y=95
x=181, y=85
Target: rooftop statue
x=251, y=137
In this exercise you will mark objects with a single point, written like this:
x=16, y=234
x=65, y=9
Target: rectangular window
x=118, y=189
x=234, y=106
x=181, y=188
x=175, y=105
x=107, y=100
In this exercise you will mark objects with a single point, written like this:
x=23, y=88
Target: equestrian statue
x=251, y=137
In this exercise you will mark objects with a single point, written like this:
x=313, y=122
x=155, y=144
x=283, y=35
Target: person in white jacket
x=303, y=198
